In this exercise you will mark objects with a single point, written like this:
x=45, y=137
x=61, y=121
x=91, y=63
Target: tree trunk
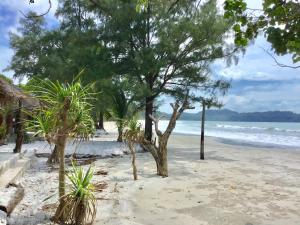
x=120, y=136
x=148, y=121
x=9, y=124
x=134, y=170
x=202, y=131
x=19, y=126
x=101, y=121
x=162, y=162
x=61, y=144
x=54, y=156
x=79, y=214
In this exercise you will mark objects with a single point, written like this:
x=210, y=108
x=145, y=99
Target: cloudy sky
x=257, y=83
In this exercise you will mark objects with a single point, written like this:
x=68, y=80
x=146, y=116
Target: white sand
x=235, y=185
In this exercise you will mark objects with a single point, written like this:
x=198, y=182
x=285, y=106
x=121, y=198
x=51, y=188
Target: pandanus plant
x=80, y=200
x=65, y=113
x=133, y=135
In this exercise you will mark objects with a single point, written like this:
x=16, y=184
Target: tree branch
x=279, y=63
x=155, y=121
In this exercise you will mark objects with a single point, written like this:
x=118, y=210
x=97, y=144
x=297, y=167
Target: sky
x=258, y=84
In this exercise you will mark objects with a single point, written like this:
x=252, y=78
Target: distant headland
x=229, y=115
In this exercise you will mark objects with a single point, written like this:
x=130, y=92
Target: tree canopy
x=278, y=19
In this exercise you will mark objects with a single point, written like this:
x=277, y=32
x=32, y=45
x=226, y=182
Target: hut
x=12, y=101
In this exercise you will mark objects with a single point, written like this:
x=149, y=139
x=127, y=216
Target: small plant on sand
x=133, y=135
x=80, y=201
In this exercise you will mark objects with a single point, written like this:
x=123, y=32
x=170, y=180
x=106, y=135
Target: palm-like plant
x=80, y=200
x=133, y=135
x=65, y=113
x=121, y=111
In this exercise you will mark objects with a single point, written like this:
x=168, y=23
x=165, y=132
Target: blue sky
x=257, y=83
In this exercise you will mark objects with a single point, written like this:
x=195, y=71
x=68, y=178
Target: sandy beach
x=234, y=185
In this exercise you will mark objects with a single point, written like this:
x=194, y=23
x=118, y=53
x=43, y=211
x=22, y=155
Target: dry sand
x=234, y=185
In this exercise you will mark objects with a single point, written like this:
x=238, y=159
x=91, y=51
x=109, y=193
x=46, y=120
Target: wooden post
x=202, y=131
x=19, y=126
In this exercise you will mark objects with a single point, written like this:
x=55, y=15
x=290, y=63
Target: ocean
x=257, y=133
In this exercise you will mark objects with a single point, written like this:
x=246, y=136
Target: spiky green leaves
x=53, y=96
x=80, y=201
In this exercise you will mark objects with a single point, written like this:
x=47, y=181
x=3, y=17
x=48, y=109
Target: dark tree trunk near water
x=101, y=121
x=148, y=121
x=202, y=131
x=19, y=129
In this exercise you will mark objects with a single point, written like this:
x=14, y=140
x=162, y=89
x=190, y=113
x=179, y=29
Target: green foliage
x=122, y=107
x=164, y=46
x=2, y=132
x=134, y=132
x=53, y=96
x=279, y=20
x=80, y=200
x=6, y=78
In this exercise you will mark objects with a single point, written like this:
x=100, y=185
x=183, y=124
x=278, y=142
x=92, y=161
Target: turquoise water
x=267, y=133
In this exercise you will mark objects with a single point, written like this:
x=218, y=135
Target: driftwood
x=81, y=162
x=10, y=197
x=101, y=172
x=100, y=186
x=42, y=155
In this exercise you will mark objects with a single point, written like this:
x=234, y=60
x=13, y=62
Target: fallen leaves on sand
x=49, y=207
x=101, y=172
x=100, y=186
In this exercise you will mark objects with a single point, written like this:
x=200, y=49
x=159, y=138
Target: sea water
x=258, y=133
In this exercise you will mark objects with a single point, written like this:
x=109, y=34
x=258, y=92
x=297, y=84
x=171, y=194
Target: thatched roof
x=10, y=92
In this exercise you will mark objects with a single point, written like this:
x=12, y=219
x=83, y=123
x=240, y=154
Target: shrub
x=80, y=201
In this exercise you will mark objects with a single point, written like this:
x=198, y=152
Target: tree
x=65, y=113
x=278, y=19
x=55, y=53
x=122, y=107
x=133, y=135
x=160, y=151
x=163, y=45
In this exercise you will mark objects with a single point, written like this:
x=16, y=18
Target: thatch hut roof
x=10, y=92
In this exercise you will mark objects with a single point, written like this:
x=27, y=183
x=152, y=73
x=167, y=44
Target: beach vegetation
x=163, y=45
x=278, y=20
x=133, y=135
x=159, y=150
x=65, y=113
x=80, y=201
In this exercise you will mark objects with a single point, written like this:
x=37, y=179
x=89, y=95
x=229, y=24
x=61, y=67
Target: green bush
x=80, y=201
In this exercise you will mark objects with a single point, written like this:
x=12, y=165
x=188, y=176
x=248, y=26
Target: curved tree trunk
x=162, y=164
x=54, y=157
x=120, y=134
x=160, y=152
x=134, y=170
